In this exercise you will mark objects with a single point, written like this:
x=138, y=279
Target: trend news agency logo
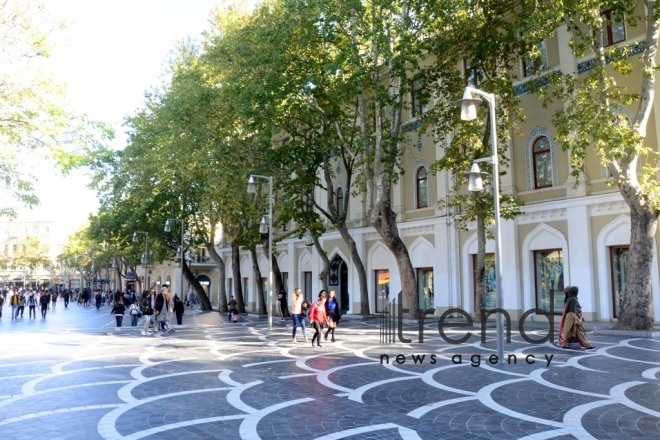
x=391, y=329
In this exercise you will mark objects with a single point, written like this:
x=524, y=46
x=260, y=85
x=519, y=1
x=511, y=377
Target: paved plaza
x=73, y=376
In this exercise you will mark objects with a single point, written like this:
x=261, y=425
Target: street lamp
x=251, y=189
x=179, y=251
x=469, y=112
x=145, y=256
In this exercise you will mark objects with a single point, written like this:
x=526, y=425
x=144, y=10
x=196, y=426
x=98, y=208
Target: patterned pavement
x=73, y=376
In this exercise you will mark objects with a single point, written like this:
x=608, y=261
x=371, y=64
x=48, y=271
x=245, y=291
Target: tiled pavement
x=73, y=376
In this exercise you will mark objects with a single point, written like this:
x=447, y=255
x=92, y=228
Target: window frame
x=476, y=73
x=421, y=271
x=606, y=15
x=417, y=92
x=536, y=292
x=339, y=200
x=418, y=204
x=542, y=62
x=613, y=293
x=538, y=153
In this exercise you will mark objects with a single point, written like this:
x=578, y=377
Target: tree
x=590, y=123
x=33, y=117
x=33, y=255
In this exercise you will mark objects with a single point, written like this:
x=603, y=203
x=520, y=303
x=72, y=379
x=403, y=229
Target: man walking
x=148, y=311
x=32, y=306
x=13, y=302
x=44, y=300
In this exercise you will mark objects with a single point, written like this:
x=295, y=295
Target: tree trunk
x=222, y=290
x=637, y=307
x=325, y=272
x=204, y=302
x=385, y=224
x=279, y=284
x=358, y=265
x=259, y=287
x=236, y=273
x=480, y=268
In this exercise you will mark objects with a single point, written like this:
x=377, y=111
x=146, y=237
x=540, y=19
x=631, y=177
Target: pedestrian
x=13, y=302
x=318, y=317
x=571, y=325
x=232, y=308
x=21, y=305
x=190, y=298
x=297, y=313
x=179, y=310
x=53, y=297
x=65, y=297
x=2, y=303
x=169, y=310
x=134, y=311
x=44, y=299
x=118, y=310
x=334, y=315
x=148, y=310
x=32, y=306
x=98, y=298
x=284, y=307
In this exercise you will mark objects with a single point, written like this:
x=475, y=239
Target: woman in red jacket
x=318, y=317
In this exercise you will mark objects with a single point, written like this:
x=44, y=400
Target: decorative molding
x=633, y=49
x=543, y=216
x=609, y=208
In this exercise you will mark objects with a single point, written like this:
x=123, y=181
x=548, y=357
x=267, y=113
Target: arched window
x=422, y=186
x=542, y=160
x=340, y=201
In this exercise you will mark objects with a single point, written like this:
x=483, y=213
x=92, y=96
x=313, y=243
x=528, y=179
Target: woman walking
x=179, y=310
x=334, y=315
x=297, y=313
x=134, y=311
x=318, y=317
x=118, y=310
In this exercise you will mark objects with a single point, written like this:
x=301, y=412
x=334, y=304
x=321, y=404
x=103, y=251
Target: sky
x=109, y=55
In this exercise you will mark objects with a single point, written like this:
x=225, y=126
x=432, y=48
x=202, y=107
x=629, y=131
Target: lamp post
x=145, y=256
x=469, y=112
x=179, y=252
x=251, y=189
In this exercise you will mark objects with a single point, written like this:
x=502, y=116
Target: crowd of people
x=155, y=307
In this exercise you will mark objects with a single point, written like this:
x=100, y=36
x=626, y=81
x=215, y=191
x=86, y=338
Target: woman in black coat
x=178, y=310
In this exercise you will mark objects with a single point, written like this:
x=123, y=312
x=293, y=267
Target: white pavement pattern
x=73, y=376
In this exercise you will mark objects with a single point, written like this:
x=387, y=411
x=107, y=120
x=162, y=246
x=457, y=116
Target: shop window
x=549, y=280
x=489, y=299
x=542, y=160
x=307, y=282
x=619, y=266
x=382, y=283
x=425, y=288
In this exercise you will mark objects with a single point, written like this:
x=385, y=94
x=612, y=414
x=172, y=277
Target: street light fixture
x=251, y=189
x=469, y=112
x=179, y=251
x=145, y=256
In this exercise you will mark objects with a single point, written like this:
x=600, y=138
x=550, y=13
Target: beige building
x=568, y=234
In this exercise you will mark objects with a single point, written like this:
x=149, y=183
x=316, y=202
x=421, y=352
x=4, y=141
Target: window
x=264, y=283
x=539, y=62
x=425, y=288
x=422, y=187
x=230, y=287
x=382, y=289
x=619, y=266
x=614, y=29
x=307, y=282
x=246, y=290
x=419, y=97
x=474, y=73
x=340, y=201
x=549, y=280
x=285, y=281
x=542, y=159
x=489, y=299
